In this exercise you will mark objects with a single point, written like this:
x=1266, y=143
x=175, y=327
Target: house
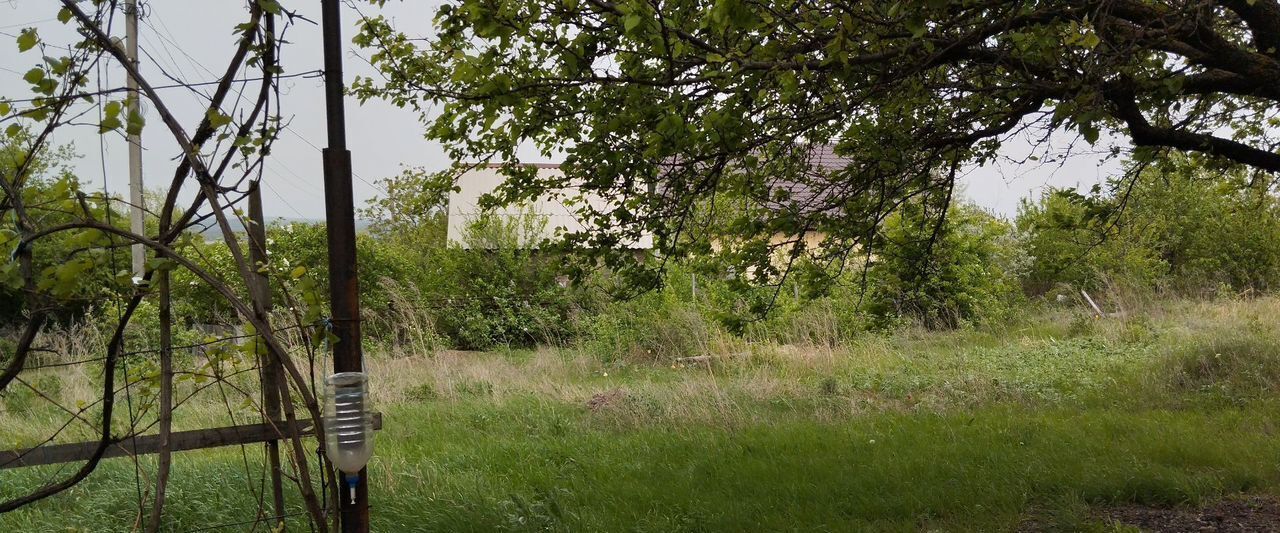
x=552, y=214
x=812, y=191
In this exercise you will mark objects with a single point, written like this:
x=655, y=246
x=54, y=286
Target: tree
x=71, y=266
x=660, y=106
x=962, y=271
x=413, y=209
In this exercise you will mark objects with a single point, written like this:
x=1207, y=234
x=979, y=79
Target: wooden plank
x=195, y=439
x=1096, y=310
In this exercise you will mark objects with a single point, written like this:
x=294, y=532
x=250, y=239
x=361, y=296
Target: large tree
x=676, y=109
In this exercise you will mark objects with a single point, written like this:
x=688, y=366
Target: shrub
x=1070, y=243
x=1181, y=225
x=498, y=290
x=964, y=271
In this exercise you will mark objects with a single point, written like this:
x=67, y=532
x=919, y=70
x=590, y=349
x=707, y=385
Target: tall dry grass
x=1161, y=352
x=1174, y=353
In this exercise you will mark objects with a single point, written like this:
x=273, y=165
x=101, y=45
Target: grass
x=961, y=431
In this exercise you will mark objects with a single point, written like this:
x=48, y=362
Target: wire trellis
x=221, y=376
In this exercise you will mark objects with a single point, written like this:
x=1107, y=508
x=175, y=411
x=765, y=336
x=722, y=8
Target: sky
x=192, y=40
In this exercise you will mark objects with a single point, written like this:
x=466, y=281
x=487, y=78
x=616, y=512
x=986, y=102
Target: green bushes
x=963, y=271
x=497, y=290
x=1181, y=226
x=77, y=269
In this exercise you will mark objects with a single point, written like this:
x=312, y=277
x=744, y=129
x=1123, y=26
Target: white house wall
x=464, y=205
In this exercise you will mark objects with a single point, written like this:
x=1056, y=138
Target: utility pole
x=344, y=287
x=134, y=139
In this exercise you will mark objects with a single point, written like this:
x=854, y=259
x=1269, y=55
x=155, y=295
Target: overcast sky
x=192, y=40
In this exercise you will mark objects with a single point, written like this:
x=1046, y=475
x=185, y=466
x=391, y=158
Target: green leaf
x=13, y=131
x=270, y=6
x=64, y=15
x=11, y=276
x=631, y=21
x=298, y=272
x=58, y=66
x=217, y=119
x=1090, y=132
x=112, y=109
x=34, y=76
x=5, y=108
x=27, y=39
x=1090, y=40
x=108, y=124
x=134, y=123
x=38, y=114
x=916, y=24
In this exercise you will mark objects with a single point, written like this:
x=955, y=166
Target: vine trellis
x=221, y=159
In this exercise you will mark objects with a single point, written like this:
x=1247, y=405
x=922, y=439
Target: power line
x=167, y=36
x=25, y=24
x=318, y=149
x=282, y=200
x=307, y=74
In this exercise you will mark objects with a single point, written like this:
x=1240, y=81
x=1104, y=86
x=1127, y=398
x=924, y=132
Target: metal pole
x=134, y=140
x=344, y=287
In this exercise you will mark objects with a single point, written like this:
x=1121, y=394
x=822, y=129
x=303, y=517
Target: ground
x=1165, y=420
x=1234, y=515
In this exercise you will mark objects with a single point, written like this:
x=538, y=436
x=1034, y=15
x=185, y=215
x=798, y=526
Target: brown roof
x=813, y=190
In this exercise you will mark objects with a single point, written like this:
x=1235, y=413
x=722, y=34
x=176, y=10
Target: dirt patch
x=602, y=400
x=1241, y=514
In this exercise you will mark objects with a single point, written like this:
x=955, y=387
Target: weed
x=829, y=387
x=422, y=393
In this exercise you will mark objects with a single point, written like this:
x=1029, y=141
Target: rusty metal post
x=344, y=287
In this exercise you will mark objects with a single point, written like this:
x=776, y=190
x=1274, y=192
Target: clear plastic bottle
x=348, y=423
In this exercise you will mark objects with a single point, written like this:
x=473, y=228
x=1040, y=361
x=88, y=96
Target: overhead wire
x=27, y=24
x=306, y=74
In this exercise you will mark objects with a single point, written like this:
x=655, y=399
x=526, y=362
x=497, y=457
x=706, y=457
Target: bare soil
x=1238, y=514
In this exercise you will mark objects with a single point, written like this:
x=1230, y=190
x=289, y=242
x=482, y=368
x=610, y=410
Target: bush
x=498, y=290
x=74, y=270
x=1070, y=244
x=964, y=271
x=654, y=327
x=1181, y=225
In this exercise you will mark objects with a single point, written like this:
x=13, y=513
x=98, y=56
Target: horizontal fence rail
x=147, y=444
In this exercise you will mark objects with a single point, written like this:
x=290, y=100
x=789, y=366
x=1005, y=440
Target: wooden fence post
x=272, y=376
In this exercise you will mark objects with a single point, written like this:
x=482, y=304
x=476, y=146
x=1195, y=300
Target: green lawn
x=952, y=432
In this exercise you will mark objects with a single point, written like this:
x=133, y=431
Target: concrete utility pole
x=135, y=140
x=340, y=222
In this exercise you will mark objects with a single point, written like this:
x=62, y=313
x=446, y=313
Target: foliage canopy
x=663, y=107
